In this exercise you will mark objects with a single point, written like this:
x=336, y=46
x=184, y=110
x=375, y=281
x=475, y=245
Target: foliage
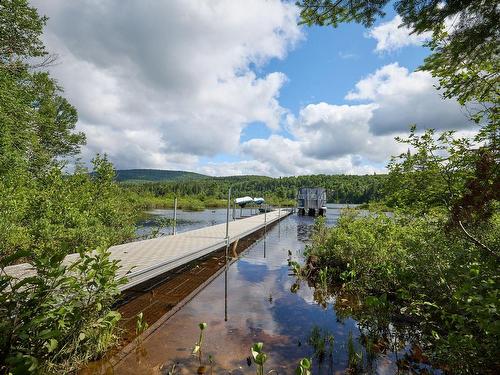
x=354, y=358
x=61, y=214
x=140, y=325
x=451, y=175
x=434, y=266
x=427, y=275
x=20, y=31
x=59, y=315
x=322, y=344
x=58, y=318
x=259, y=357
x=199, y=344
x=442, y=284
x=304, y=367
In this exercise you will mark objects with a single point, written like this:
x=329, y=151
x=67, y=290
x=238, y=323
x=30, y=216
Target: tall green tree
x=60, y=315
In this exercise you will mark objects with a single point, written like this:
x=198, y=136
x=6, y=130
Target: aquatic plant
x=259, y=357
x=304, y=367
x=211, y=361
x=355, y=358
x=140, y=326
x=172, y=370
x=322, y=343
x=198, y=346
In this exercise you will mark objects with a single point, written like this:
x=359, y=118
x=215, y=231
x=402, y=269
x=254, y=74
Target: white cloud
x=357, y=138
x=282, y=156
x=166, y=84
x=156, y=82
x=403, y=98
x=391, y=36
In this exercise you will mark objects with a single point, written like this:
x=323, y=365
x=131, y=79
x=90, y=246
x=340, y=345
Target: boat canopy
x=259, y=200
x=243, y=201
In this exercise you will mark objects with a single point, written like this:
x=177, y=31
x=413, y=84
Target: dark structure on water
x=311, y=202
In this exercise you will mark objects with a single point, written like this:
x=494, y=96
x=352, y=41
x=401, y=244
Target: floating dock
x=143, y=260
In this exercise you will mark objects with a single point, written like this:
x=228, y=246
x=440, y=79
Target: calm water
x=260, y=308
x=189, y=220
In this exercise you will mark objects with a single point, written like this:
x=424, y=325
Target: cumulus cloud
x=403, y=98
x=391, y=36
x=357, y=138
x=169, y=84
x=156, y=82
x=282, y=156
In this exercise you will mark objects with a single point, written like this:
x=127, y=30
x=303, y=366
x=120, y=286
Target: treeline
x=141, y=175
x=340, y=188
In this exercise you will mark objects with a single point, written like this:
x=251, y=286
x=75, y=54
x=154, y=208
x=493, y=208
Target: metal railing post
x=265, y=218
x=175, y=216
x=227, y=222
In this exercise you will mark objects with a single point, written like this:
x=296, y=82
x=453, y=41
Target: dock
x=143, y=260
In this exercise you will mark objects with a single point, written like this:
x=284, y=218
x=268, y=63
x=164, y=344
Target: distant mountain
x=154, y=175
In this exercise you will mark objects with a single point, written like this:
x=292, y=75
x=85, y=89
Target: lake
x=259, y=307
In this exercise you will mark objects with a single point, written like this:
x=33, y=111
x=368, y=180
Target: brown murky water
x=258, y=307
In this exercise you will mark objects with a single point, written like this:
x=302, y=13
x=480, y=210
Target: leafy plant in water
x=198, y=346
x=355, y=358
x=322, y=344
x=140, y=326
x=211, y=361
x=304, y=367
x=259, y=357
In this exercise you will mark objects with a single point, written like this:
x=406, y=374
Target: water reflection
x=189, y=220
x=252, y=302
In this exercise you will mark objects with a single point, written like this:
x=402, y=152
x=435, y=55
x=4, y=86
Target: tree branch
x=477, y=242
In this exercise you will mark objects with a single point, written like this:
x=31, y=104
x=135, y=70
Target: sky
x=230, y=87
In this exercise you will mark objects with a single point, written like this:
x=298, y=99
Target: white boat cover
x=259, y=200
x=243, y=200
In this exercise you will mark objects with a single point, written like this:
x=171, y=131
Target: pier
x=143, y=260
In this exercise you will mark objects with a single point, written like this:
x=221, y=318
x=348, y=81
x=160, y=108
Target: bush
x=412, y=270
x=60, y=316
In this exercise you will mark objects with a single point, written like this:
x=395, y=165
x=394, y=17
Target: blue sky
x=237, y=87
x=326, y=65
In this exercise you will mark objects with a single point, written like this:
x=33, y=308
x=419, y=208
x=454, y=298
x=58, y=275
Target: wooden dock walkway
x=142, y=260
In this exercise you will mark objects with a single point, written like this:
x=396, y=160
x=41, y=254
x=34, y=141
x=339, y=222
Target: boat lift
x=244, y=201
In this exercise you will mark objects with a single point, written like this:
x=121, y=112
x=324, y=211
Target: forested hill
x=341, y=188
x=152, y=175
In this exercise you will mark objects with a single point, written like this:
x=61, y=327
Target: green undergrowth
x=412, y=272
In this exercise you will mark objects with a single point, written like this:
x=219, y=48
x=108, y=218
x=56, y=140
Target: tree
x=61, y=315
x=20, y=30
